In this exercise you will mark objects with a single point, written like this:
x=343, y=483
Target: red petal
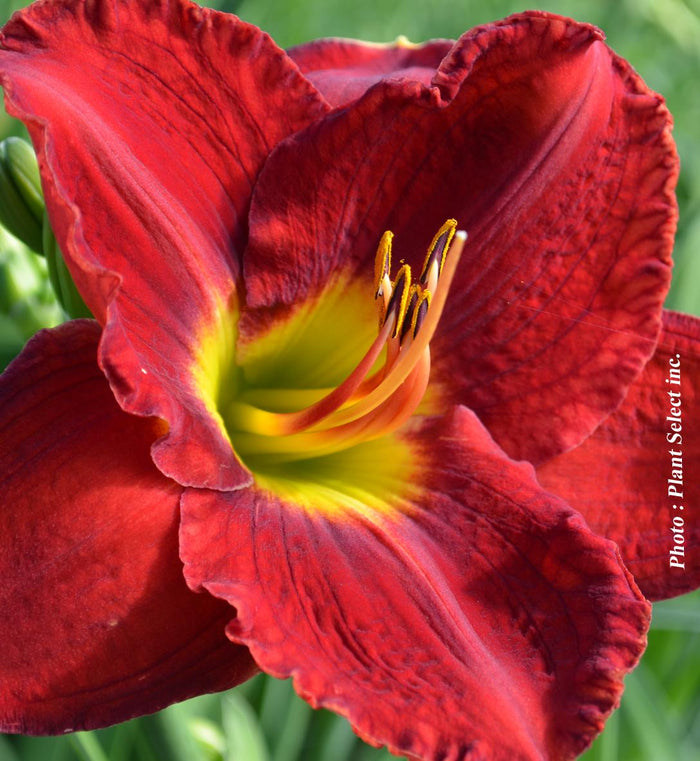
x=622, y=477
x=97, y=623
x=559, y=163
x=151, y=122
x=478, y=618
x=343, y=70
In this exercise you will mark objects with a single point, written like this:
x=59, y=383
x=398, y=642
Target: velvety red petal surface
x=556, y=159
x=343, y=70
x=96, y=622
x=151, y=121
x=479, y=620
x=635, y=479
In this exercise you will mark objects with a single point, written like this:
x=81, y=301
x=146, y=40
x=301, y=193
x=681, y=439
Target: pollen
x=388, y=383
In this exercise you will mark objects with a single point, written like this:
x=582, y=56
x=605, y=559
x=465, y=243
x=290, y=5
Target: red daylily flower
x=384, y=540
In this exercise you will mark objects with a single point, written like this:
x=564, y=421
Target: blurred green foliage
x=659, y=719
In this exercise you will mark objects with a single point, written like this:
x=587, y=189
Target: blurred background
x=659, y=719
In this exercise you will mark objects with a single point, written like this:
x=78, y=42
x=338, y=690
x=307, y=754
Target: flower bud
x=21, y=199
x=61, y=280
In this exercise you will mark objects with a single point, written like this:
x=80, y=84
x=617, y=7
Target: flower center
x=387, y=384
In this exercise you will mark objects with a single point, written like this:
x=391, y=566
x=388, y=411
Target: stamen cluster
x=367, y=404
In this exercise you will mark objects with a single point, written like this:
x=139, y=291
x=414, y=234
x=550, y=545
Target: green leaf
x=88, y=746
x=244, y=737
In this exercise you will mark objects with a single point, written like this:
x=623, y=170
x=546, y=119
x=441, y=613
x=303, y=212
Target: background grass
x=659, y=719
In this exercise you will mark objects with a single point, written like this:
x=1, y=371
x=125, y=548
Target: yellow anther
x=420, y=309
x=414, y=298
x=382, y=263
x=398, y=304
x=437, y=251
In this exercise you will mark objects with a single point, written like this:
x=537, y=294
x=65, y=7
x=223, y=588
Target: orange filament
x=367, y=406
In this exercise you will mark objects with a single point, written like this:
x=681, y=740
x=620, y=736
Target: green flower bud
x=61, y=280
x=21, y=200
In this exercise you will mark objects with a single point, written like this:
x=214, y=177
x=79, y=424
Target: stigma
x=388, y=383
